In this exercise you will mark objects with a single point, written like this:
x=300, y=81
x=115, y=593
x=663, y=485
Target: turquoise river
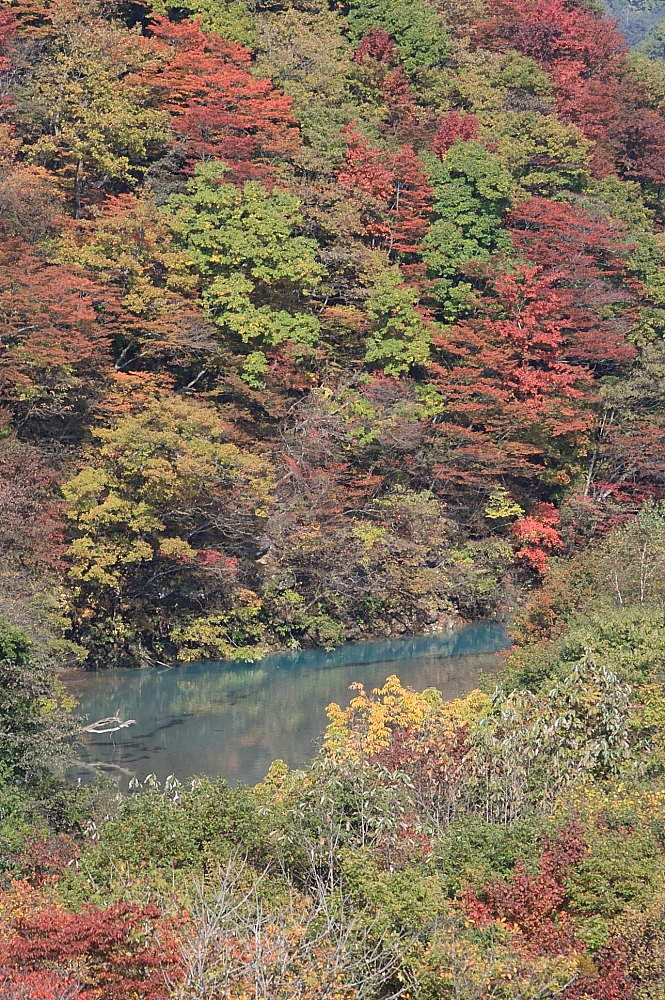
x=235, y=718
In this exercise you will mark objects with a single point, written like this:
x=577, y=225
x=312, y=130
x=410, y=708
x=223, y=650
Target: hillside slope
x=318, y=322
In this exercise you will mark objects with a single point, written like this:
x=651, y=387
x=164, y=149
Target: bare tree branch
x=113, y=723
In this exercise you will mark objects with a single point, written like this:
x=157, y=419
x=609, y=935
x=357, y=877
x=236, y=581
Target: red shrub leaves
x=102, y=954
x=45, y=857
x=44, y=985
x=607, y=979
x=538, y=535
x=533, y=905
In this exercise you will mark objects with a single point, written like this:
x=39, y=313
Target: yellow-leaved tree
x=81, y=111
x=367, y=726
x=162, y=516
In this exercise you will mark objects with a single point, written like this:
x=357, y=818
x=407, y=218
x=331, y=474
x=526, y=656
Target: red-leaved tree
x=586, y=256
x=392, y=191
x=538, y=535
x=514, y=402
x=454, y=127
x=218, y=108
x=55, y=331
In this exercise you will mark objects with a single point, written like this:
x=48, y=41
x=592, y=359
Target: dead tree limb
x=112, y=724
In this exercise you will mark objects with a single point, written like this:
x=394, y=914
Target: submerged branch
x=113, y=723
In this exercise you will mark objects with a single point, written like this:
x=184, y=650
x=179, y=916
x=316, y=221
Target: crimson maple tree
x=55, y=329
x=538, y=535
x=392, y=190
x=584, y=257
x=511, y=394
x=454, y=127
x=218, y=108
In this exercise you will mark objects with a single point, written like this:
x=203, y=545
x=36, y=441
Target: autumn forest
x=326, y=321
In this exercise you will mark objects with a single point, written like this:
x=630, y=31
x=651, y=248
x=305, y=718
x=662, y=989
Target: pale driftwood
x=113, y=724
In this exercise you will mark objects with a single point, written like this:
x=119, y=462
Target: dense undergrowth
x=318, y=322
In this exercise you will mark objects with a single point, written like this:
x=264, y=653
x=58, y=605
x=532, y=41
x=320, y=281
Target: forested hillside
x=318, y=322
x=323, y=321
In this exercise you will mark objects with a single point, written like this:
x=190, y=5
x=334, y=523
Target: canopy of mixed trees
x=317, y=321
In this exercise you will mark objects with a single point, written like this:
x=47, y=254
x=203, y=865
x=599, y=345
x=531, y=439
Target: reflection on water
x=235, y=718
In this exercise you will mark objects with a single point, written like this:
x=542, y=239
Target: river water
x=236, y=718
